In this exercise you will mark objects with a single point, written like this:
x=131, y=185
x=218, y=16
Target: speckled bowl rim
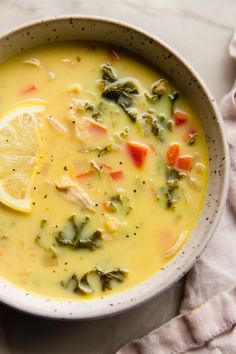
x=71, y=310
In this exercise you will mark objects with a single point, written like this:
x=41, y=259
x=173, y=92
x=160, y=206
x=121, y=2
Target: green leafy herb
x=112, y=206
x=50, y=250
x=97, y=116
x=121, y=91
x=156, y=129
x=104, y=150
x=71, y=235
x=150, y=98
x=117, y=198
x=131, y=112
x=88, y=106
x=106, y=278
x=121, y=202
x=122, y=87
x=43, y=223
x=160, y=87
x=91, y=242
x=76, y=285
x=99, y=110
x=95, y=167
x=39, y=241
x=154, y=123
x=173, y=177
x=173, y=97
x=173, y=174
x=171, y=200
x=71, y=284
x=83, y=286
x=108, y=73
x=121, y=135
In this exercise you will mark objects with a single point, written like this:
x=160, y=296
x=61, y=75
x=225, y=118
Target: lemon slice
x=19, y=149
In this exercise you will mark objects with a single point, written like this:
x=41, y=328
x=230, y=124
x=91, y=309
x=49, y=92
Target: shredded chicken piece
x=73, y=192
x=56, y=124
x=51, y=75
x=80, y=129
x=67, y=60
x=176, y=247
x=32, y=61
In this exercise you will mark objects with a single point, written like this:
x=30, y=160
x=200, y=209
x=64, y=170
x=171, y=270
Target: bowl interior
x=165, y=59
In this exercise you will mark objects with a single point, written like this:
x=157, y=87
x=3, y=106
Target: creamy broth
x=108, y=192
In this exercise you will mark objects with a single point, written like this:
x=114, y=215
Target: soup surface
x=103, y=170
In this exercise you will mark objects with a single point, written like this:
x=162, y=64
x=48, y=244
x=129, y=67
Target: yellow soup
x=103, y=170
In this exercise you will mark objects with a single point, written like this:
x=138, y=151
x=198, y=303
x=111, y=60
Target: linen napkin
x=207, y=320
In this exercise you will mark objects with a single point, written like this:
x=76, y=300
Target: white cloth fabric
x=207, y=320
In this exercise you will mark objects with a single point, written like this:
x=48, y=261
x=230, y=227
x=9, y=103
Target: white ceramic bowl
x=173, y=65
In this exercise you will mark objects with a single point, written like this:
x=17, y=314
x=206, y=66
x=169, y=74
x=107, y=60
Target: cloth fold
x=207, y=320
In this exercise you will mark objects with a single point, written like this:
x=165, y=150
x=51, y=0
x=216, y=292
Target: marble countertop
x=200, y=31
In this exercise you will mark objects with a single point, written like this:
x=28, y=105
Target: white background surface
x=200, y=31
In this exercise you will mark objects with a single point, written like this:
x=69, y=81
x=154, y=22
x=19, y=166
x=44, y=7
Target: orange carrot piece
x=109, y=206
x=180, y=118
x=86, y=174
x=190, y=136
x=28, y=89
x=184, y=162
x=117, y=175
x=96, y=127
x=173, y=153
x=138, y=152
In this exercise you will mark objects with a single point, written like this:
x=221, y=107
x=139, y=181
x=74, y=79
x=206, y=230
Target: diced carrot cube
x=184, y=162
x=180, y=118
x=138, y=152
x=173, y=153
x=116, y=175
